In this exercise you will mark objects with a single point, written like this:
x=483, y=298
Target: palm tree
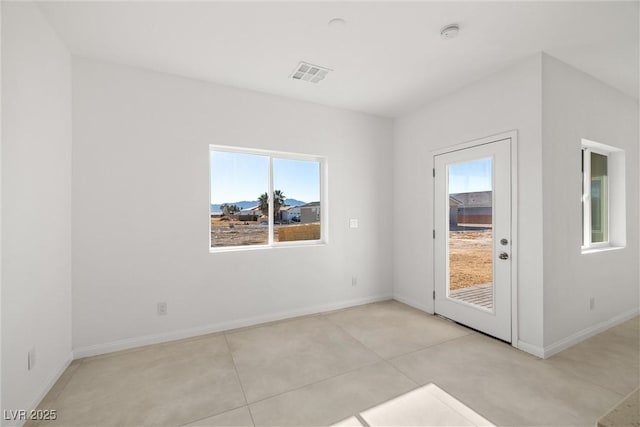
x=264, y=203
x=278, y=202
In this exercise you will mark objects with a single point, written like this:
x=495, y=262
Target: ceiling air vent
x=309, y=72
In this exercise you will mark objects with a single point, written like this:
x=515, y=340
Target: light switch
x=353, y=223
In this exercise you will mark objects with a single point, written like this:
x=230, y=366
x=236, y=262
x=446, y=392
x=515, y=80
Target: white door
x=472, y=239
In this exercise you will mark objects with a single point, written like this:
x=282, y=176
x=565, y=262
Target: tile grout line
x=383, y=359
x=428, y=347
x=211, y=415
x=352, y=336
x=469, y=333
x=403, y=374
x=380, y=359
x=248, y=404
x=387, y=361
x=394, y=396
x=362, y=420
x=317, y=382
x=235, y=368
x=460, y=401
x=267, y=324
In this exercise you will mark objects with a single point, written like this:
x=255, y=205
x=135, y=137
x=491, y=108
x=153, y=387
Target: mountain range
x=249, y=204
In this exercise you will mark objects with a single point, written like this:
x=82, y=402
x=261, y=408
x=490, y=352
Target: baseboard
x=412, y=303
x=130, y=343
x=582, y=335
x=48, y=385
x=531, y=349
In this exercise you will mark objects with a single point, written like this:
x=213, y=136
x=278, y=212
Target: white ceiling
x=388, y=60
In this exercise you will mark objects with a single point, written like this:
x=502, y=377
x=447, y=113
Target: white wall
x=552, y=106
x=141, y=208
x=36, y=205
x=509, y=100
x=577, y=106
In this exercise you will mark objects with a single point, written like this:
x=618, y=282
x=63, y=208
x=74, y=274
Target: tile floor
x=327, y=368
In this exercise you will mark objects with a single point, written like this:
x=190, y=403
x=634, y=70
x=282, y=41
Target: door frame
x=513, y=136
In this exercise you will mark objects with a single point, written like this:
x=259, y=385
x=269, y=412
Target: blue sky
x=298, y=179
x=470, y=176
x=236, y=177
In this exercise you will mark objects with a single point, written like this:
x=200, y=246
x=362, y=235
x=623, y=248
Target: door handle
x=503, y=255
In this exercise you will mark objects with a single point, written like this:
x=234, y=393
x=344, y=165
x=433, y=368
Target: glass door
x=472, y=246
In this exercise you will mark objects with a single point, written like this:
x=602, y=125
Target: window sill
x=601, y=249
x=301, y=244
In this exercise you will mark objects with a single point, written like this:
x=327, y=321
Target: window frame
x=587, y=228
x=271, y=154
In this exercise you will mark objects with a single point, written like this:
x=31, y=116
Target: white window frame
x=322, y=160
x=586, y=197
x=616, y=197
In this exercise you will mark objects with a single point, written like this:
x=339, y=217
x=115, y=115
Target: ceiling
x=388, y=60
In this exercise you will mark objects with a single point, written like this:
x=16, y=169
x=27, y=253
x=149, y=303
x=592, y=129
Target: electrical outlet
x=162, y=308
x=592, y=303
x=354, y=280
x=31, y=359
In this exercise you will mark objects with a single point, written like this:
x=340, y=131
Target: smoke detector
x=337, y=23
x=309, y=72
x=449, y=31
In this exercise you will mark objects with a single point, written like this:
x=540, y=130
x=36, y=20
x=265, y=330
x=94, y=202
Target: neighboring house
x=250, y=214
x=310, y=212
x=476, y=207
x=289, y=213
x=250, y=211
x=454, y=204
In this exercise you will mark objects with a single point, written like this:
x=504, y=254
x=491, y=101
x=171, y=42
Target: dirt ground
x=470, y=255
x=238, y=233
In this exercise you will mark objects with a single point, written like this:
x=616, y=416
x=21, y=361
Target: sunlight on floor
x=427, y=405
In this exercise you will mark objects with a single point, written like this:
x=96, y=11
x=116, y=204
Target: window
x=264, y=199
x=595, y=198
x=602, y=196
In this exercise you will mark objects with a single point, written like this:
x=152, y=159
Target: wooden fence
x=299, y=232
